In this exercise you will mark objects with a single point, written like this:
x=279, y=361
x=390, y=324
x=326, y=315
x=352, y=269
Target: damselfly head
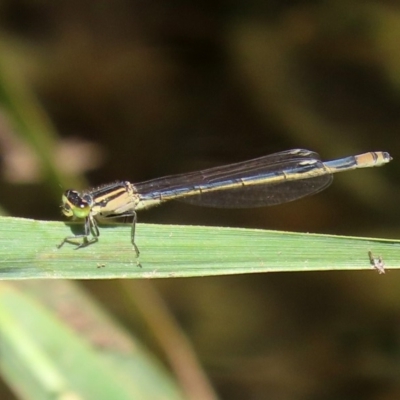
x=74, y=205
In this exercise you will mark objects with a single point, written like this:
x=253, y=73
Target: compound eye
x=73, y=205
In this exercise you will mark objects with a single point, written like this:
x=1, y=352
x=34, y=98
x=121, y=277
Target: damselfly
x=273, y=179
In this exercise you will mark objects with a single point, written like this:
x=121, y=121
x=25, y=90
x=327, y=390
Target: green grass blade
x=55, y=343
x=28, y=250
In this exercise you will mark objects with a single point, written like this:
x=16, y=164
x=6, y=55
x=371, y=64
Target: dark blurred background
x=140, y=89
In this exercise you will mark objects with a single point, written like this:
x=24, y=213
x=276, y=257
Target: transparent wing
x=261, y=195
x=269, y=180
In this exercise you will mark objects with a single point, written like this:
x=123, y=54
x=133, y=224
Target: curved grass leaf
x=56, y=343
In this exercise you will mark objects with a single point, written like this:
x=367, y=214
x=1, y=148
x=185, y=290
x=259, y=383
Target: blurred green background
x=134, y=90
